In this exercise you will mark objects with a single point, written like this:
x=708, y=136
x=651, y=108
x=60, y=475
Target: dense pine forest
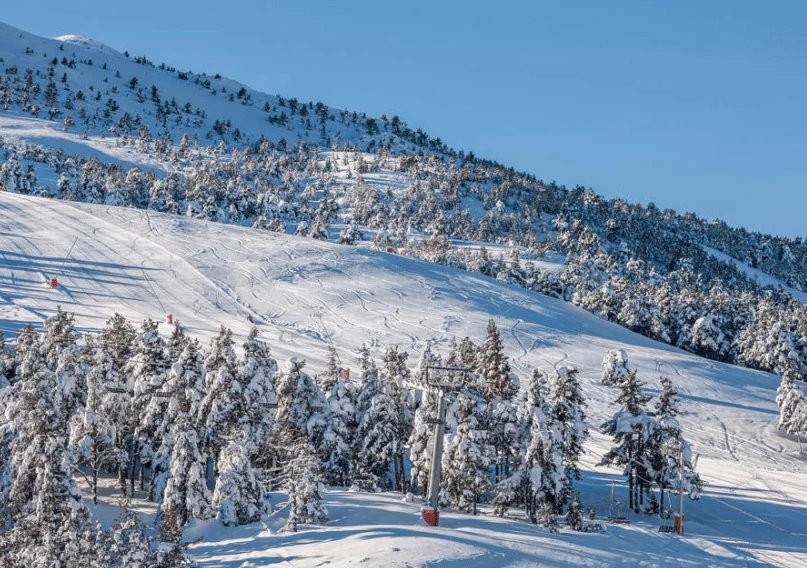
x=206, y=432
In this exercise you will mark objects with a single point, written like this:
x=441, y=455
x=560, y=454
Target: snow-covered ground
x=304, y=294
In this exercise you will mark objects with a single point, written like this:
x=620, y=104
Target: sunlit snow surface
x=304, y=294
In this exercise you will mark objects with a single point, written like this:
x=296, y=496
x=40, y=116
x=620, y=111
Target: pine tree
x=186, y=494
x=300, y=404
x=670, y=454
x=147, y=373
x=238, y=496
x=792, y=406
x=58, y=333
x=499, y=386
x=494, y=368
x=395, y=375
x=543, y=469
x=332, y=373
x=615, y=368
x=377, y=431
x=631, y=427
x=420, y=441
x=109, y=400
x=303, y=483
x=42, y=488
x=340, y=432
x=223, y=409
x=256, y=373
x=466, y=458
x=568, y=416
x=126, y=544
x=184, y=385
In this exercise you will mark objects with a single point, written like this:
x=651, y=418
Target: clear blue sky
x=695, y=105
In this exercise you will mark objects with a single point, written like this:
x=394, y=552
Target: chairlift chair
x=616, y=508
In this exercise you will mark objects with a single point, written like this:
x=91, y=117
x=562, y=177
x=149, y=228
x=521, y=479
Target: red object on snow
x=346, y=372
x=169, y=318
x=678, y=524
x=431, y=516
x=389, y=250
x=54, y=283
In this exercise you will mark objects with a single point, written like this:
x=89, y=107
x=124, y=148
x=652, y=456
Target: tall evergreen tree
x=186, y=494
x=631, y=428
x=340, y=433
x=377, y=431
x=670, y=454
x=543, y=469
x=466, y=458
x=238, y=497
x=256, y=373
x=568, y=416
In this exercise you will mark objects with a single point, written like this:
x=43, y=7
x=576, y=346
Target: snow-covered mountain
x=148, y=191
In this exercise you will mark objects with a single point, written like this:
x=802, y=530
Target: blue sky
x=697, y=106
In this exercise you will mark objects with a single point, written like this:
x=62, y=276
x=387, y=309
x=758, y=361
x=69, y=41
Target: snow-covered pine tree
x=670, y=454
x=300, y=403
x=126, y=544
x=39, y=458
x=395, y=375
x=6, y=363
x=117, y=339
x=58, y=333
x=184, y=387
x=256, y=372
x=146, y=372
x=792, y=405
x=186, y=495
x=466, y=458
x=303, y=482
x=333, y=372
x=631, y=427
x=569, y=418
x=499, y=388
x=542, y=469
x=377, y=431
x=223, y=409
x=615, y=367
x=238, y=496
x=340, y=432
x=94, y=437
x=493, y=367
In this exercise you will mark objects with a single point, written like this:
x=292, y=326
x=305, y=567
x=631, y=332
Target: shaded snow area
x=758, y=276
x=21, y=129
x=304, y=294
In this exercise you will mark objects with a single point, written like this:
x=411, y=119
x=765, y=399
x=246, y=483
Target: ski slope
x=304, y=294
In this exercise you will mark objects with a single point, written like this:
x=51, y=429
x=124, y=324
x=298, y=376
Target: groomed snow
x=303, y=294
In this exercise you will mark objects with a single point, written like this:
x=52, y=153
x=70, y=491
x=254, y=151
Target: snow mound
x=82, y=40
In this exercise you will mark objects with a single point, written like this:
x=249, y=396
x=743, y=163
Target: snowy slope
x=304, y=294
x=197, y=101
